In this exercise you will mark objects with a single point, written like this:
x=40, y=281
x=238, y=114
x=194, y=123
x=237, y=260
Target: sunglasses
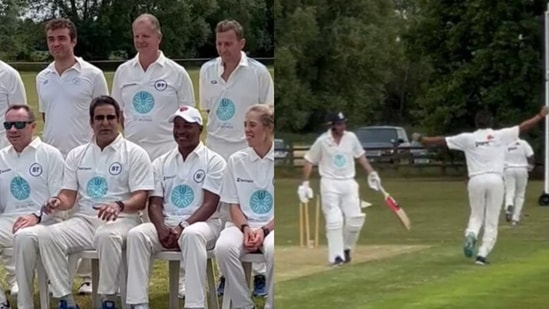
x=103, y=117
x=18, y=124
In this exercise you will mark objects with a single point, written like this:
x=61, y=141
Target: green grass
x=436, y=277
x=158, y=292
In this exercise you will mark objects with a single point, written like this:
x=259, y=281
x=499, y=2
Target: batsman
x=335, y=152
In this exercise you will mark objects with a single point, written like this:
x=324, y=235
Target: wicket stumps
x=304, y=225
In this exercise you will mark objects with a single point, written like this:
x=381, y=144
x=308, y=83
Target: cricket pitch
x=294, y=262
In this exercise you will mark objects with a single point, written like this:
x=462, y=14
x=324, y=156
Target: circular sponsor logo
x=160, y=85
x=182, y=196
x=339, y=160
x=143, y=102
x=35, y=169
x=96, y=187
x=198, y=176
x=76, y=81
x=261, y=202
x=225, y=110
x=115, y=169
x=20, y=188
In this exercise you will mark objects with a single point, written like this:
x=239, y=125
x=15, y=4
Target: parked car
x=280, y=150
x=380, y=143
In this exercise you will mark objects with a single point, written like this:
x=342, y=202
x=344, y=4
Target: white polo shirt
x=249, y=182
x=517, y=154
x=181, y=183
x=12, y=91
x=484, y=149
x=29, y=178
x=335, y=161
x=106, y=176
x=149, y=98
x=228, y=101
x=66, y=99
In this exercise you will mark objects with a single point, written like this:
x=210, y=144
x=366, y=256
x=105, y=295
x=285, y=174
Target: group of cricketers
x=152, y=186
x=498, y=162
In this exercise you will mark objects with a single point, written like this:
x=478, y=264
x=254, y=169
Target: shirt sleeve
x=457, y=142
x=141, y=171
x=17, y=94
x=55, y=172
x=116, y=91
x=41, y=107
x=315, y=152
x=527, y=149
x=229, y=193
x=358, y=150
x=202, y=89
x=214, y=175
x=509, y=135
x=70, y=178
x=100, y=86
x=157, y=175
x=185, y=91
x=266, y=87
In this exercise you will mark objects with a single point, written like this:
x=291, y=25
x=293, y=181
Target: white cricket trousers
x=343, y=215
x=6, y=241
x=516, y=179
x=228, y=251
x=81, y=233
x=485, y=199
x=25, y=253
x=194, y=242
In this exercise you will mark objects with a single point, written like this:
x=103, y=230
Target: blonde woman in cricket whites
x=31, y=172
x=229, y=85
x=248, y=189
x=484, y=151
x=335, y=152
x=519, y=160
x=107, y=182
x=182, y=210
x=12, y=91
x=65, y=90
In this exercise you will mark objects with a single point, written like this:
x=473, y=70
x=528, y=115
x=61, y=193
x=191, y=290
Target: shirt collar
x=161, y=60
x=269, y=156
x=197, y=152
x=35, y=143
x=115, y=145
x=243, y=62
x=77, y=66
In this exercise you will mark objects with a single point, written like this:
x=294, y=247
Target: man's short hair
x=150, y=17
x=104, y=100
x=17, y=107
x=484, y=119
x=60, y=23
x=228, y=25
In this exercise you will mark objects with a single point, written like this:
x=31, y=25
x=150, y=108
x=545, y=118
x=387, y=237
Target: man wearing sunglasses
x=105, y=185
x=30, y=172
x=12, y=91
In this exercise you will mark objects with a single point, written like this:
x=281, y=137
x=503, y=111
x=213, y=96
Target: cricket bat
x=393, y=205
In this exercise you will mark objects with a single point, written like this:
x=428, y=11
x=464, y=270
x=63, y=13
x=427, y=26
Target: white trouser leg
x=334, y=218
x=354, y=218
x=61, y=240
x=259, y=269
x=228, y=251
x=510, y=186
x=142, y=244
x=224, y=216
x=494, y=187
x=110, y=241
x=269, y=253
x=25, y=254
x=477, y=202
x=6, y=241
x=194, y=243
x=522, y=182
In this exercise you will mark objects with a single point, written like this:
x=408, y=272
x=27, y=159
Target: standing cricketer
x=12, y=91
x=335, y=152
x=484, y=151
x=519, y=160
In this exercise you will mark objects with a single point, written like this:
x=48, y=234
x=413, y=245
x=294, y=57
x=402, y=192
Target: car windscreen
x=377, y=135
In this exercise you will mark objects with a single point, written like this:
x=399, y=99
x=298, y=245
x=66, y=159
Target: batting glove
x=374, y=182
x=305, y=192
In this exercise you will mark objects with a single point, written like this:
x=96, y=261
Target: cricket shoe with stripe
x=108, y=304
x=338, y=261
x=508, y=213
x=469, y=245
x=481, y=260
x=63, y=305
x=260, y=288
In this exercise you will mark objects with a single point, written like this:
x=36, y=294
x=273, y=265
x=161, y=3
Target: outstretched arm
x=530, y=123
x=430, y=140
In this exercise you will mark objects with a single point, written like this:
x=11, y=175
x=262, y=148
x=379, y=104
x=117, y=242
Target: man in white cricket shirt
x=12, y=91
x=519, y=160
x=65, y=90
x=30, y=172
x=229, y=85
x=335, y=152
x=149, y=88
x=107, y=182
x=484, y=151
x=248, y=191
x=182, y=210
